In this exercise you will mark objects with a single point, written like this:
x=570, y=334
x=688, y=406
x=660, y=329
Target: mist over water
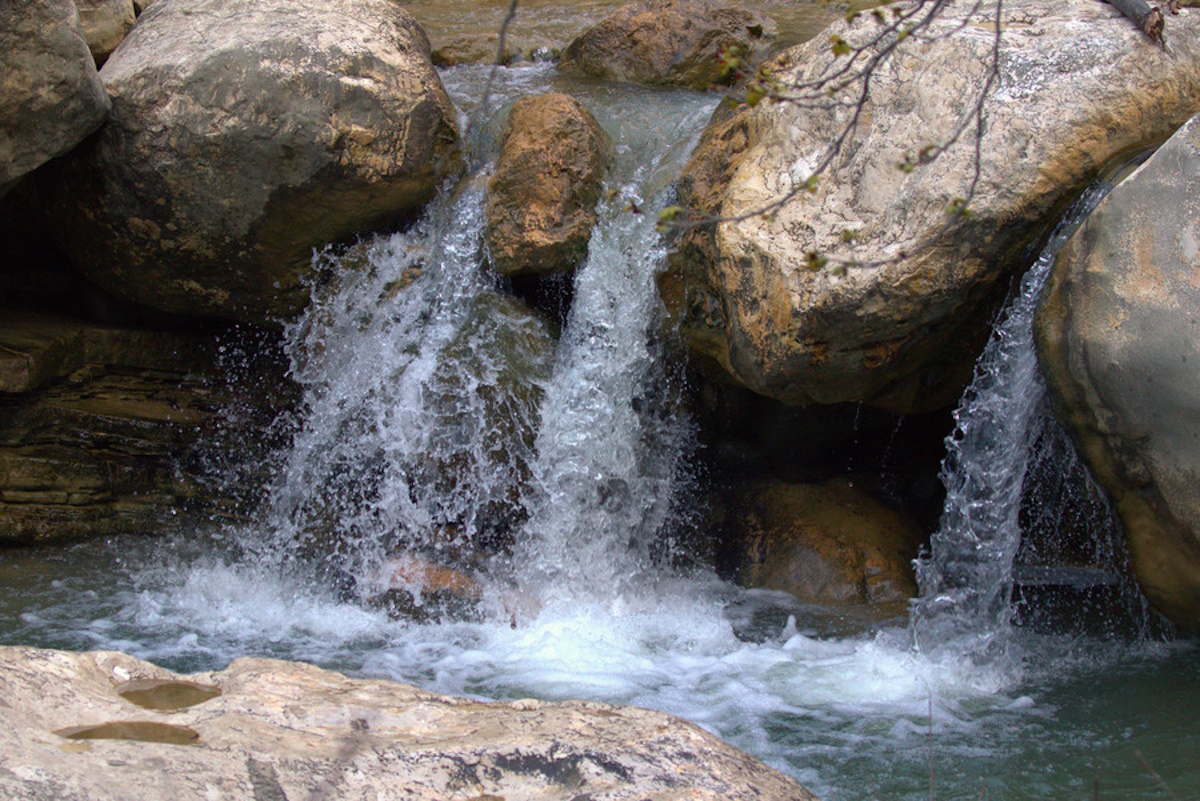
x=395, y=449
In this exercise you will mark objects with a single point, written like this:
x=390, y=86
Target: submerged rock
x=542, y=195
x=479, y=414
x=282, y=730
x=241, y=141
x=667, y=42
x=51, y=97
x=1118, y=340
x=1078, y=85
x=828, y=543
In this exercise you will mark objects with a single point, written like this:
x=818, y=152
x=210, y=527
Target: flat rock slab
x=264, y=729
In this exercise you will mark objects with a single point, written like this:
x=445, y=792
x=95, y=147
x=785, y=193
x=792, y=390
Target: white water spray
x=966, y=580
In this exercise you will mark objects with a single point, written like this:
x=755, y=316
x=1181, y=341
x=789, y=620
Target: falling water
x=966, y=578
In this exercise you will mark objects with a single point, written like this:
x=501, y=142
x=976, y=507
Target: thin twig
x=1166, y=788
x=855, y=70
x=480, y=111
x=931, y=798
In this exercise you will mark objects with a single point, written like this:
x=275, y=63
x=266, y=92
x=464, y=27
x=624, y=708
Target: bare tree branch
x=851, y=72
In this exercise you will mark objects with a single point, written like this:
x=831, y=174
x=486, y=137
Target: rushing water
x=392, y=452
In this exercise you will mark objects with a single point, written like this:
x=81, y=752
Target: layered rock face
x=1118, y=339
x=1077, y=85
x=102, y=428
x=542, y=195
x=50, y=96
x=668, y=43
x=104, y=726
x=241, y=138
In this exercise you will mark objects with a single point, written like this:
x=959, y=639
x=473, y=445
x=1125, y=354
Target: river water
x=592, y=605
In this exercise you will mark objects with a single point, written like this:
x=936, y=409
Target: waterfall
x=966, y=577
x=441, y=417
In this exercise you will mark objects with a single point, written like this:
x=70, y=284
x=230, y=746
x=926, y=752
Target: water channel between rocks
x=586, y=608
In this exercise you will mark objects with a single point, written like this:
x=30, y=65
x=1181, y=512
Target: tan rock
x=105, y=23
x=289, y=730
x=667, y=42
x=51, y=97
x=1078, y=85
x=827, y=543
x=242, y=141
x=542, y=196
x=1117, y=337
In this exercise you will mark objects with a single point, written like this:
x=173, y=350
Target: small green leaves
x=810, y=185
x=731, y=60
x=814, y=261
x=906, y=164
x=849, y=236
x=839, y=45
x=958, y=208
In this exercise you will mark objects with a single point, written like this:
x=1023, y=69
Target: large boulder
x=667, y=42
x=105, y=23
x=243, y=136
x=51, y=96
x=828, y=543
x=542, y=196
x=1117, y=336
x=103, y=725
x=1078, y=84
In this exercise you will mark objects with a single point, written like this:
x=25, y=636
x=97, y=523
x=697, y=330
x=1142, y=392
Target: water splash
x=966, y=578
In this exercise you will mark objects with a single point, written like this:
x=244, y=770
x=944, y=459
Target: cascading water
x=966, y=580
x=410, y=355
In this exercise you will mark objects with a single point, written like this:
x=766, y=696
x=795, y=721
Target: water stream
x=585, y=483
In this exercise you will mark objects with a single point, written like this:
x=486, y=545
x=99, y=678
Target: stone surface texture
x=51, y=96
x=1078, y=85
x=287, y=730
x=105, y=23
x=667, y=42
x=98, y=427
x=828, y=543
x=548, y=176
x=1119, y=339
x=242, y=137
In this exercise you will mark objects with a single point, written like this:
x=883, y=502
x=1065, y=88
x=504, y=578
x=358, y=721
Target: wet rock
x=1117, y=336
x=827, y=543
x=469, y=481
x=479, y=48
x=101, y=428
x=105, y=23
x=542, y=196
x=239, y=142
x=667, y=42
x=51, y=97
x=410, y=586
x=290, y=730
x=1078, y=85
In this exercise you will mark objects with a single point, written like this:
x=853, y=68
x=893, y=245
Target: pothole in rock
x=146, y=731
x=166, y=695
